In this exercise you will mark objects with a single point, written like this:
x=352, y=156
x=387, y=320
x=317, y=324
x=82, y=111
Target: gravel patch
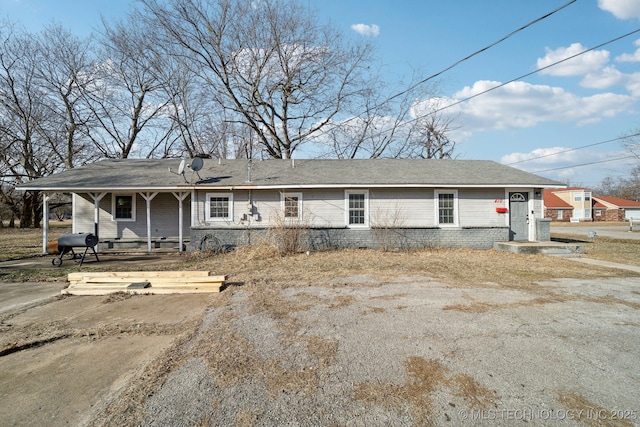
x=358, y=352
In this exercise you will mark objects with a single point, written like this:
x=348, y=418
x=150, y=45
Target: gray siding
x=399, y=218
x=478, y=207
x=164, y=217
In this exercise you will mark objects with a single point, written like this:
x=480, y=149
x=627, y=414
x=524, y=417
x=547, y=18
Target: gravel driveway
x=358, y=352
x=349, y=351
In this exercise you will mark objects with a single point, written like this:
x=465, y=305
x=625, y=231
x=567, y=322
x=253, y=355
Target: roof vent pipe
x=249, y=170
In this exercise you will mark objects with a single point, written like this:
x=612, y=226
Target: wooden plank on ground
x=180, y=273
x=89, y=278
x=146, y=291
x=161, y=282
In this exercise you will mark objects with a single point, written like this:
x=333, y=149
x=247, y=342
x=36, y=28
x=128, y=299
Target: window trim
x=133, y=207
x=207, y=207
x=347, y=193
x=283, y=197
x=456, y=211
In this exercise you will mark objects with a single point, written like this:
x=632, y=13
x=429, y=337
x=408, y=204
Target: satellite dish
x=180, y=170
x=196, y=164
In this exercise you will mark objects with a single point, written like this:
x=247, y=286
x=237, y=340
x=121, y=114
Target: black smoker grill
x=67, y=242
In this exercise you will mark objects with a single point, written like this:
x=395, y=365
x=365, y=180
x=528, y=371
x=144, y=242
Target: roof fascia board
x=274, y=187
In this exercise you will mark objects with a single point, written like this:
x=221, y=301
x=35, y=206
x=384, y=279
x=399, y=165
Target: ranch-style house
x=340, y=203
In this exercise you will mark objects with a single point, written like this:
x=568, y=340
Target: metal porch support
x=180, y=196
x=148, y=197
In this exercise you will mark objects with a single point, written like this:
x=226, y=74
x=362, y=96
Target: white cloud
x=562, y=163
x=523, y=105
x=604, y=78
x=366, y=29
x=630, y=57
x=541, y=156
x=578, y=66
x=622, y=9
x=632, y=84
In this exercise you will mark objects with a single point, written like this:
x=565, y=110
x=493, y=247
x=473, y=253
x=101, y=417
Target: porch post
x=96, y=215
x=180, y=196
x=45, y=222
x=148, y=197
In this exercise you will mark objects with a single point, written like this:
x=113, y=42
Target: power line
x=455, y=64
x=582, y=164
x=534, y=72
x=466, y=58
x=573, y=149
x=383, y=131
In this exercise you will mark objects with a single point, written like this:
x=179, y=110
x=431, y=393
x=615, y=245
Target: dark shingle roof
x=143, y=174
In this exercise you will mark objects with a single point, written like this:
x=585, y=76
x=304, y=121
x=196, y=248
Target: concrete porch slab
x=546, y=248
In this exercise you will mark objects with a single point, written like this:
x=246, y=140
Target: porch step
x=546, y=248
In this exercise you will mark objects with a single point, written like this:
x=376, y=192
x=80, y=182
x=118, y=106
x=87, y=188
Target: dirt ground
x=342, y=350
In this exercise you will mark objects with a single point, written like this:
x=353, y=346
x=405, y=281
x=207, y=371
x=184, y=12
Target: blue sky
x=584, y=102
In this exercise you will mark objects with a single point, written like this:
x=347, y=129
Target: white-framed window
x=560, y=211
x=357, y=208
x=598, y=212
x=291, y=205
x=123, y=207
x=587, y=196
x=577, y=197
x=219, y=207
x=446, y=205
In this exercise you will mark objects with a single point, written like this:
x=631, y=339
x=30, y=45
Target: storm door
x=519, y=216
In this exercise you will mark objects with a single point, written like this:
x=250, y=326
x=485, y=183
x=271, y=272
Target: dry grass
x=454, y=267
x=482, y=307
x=17, y=243
x=424, y=377
x=264, y=261
x=614, y=250
x=592, y=414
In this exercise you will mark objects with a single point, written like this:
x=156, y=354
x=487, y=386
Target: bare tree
x=128, y=98
x=23, y=153
x=64, y=71
x=391, y=124
x=268, y=63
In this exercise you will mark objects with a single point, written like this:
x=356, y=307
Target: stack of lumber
x=143, y=282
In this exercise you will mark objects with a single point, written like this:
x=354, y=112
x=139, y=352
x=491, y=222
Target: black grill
x=67, y=242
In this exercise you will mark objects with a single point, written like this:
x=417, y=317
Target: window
x=577, y=197
x=357, y=206
x=560, y=213
x=219, y=207
x=123, y=207
x=292, y=205
x=587, y=197
x=446, y=203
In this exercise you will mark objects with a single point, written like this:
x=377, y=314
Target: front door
x=519, y=216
